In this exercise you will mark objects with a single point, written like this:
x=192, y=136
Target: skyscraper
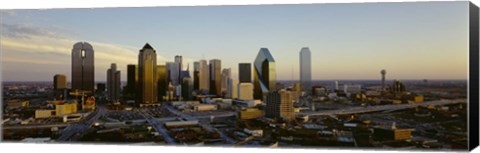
x=280, y=105
x=83, y=70
x=113, y=83
x=179, y=61
x=305, y=69
x=196, y=75
x=131, y=77
x=264, y=73
x=226, y=79
x=173, y=73
x=147, y=75
x=187, y=88
x=161, y=82
x=59, y=82
x=245, y=72
x=204, y=77
x=215, y=77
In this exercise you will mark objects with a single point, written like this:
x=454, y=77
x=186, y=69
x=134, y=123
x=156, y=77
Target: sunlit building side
x=264, y=74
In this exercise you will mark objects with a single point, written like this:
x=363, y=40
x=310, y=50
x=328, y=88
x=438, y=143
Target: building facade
x=280, y=105
x=305, y=69
x=215, y=66
x=264, y=74
x=113, y=83
x=83, y=70
x=245, y=72
x=147, y=75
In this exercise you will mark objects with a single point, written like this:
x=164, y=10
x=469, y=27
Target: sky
x=424, y=40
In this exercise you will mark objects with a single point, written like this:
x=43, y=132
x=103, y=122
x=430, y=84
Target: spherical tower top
x=383, y=72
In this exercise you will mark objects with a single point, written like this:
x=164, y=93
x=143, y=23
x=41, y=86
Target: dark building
x=83, y=70
x=196, y=75
x=215, y=77
x=132, y=79
x=245, y=72
x=187, y=88
x=101, y=87
x=113, y=83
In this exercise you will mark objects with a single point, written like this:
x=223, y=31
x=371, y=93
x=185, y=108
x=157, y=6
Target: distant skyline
x=424, y=40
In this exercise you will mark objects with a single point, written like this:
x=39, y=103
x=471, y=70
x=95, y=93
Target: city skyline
x=406, y=45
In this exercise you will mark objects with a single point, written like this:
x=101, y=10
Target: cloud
x=40, y=46
x=26, y=31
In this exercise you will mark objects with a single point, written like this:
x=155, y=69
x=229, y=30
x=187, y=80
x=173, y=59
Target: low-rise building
x=250, y=113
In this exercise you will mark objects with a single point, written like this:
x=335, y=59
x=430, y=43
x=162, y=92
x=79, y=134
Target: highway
x=80, y=127
x=33, y=126
x=368, y=109
x=202, y=124
x=158, y=126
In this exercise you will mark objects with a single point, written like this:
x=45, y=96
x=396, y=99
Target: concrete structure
x=173, y=73
x=250, y=113
x=83, y=68
x=147, y=75
x=113, y=83
x=264, y=74
x=204, y=76
x=305, y=69
x=245, y=72
x=245, y=91
x=280, y=105
x=215, y=66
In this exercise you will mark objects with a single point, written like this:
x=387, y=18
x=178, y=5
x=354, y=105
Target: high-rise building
x=305, y=69
x=196, y=75
x=59, y=82
x=280, y=105
x=173, y=73
x=187, y=88
x=179, y=61
x=336, y=85
x=245, y=72
x=264, y=74
x=215, y=77
x=113, y=83
x=226, y=78
x=162, y=84
x=83, y=70
x=147, y=75
x=204, y=77
x=383, y=72
x=233, y=88
x=132, y=78
x=245, y=91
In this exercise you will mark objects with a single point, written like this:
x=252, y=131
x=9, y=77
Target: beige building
x=245, y=91
x=280, y=105
x=250, y=113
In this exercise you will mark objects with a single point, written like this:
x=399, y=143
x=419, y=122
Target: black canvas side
x=473, y=97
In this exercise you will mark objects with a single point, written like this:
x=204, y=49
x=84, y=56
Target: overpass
x=369, y=109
